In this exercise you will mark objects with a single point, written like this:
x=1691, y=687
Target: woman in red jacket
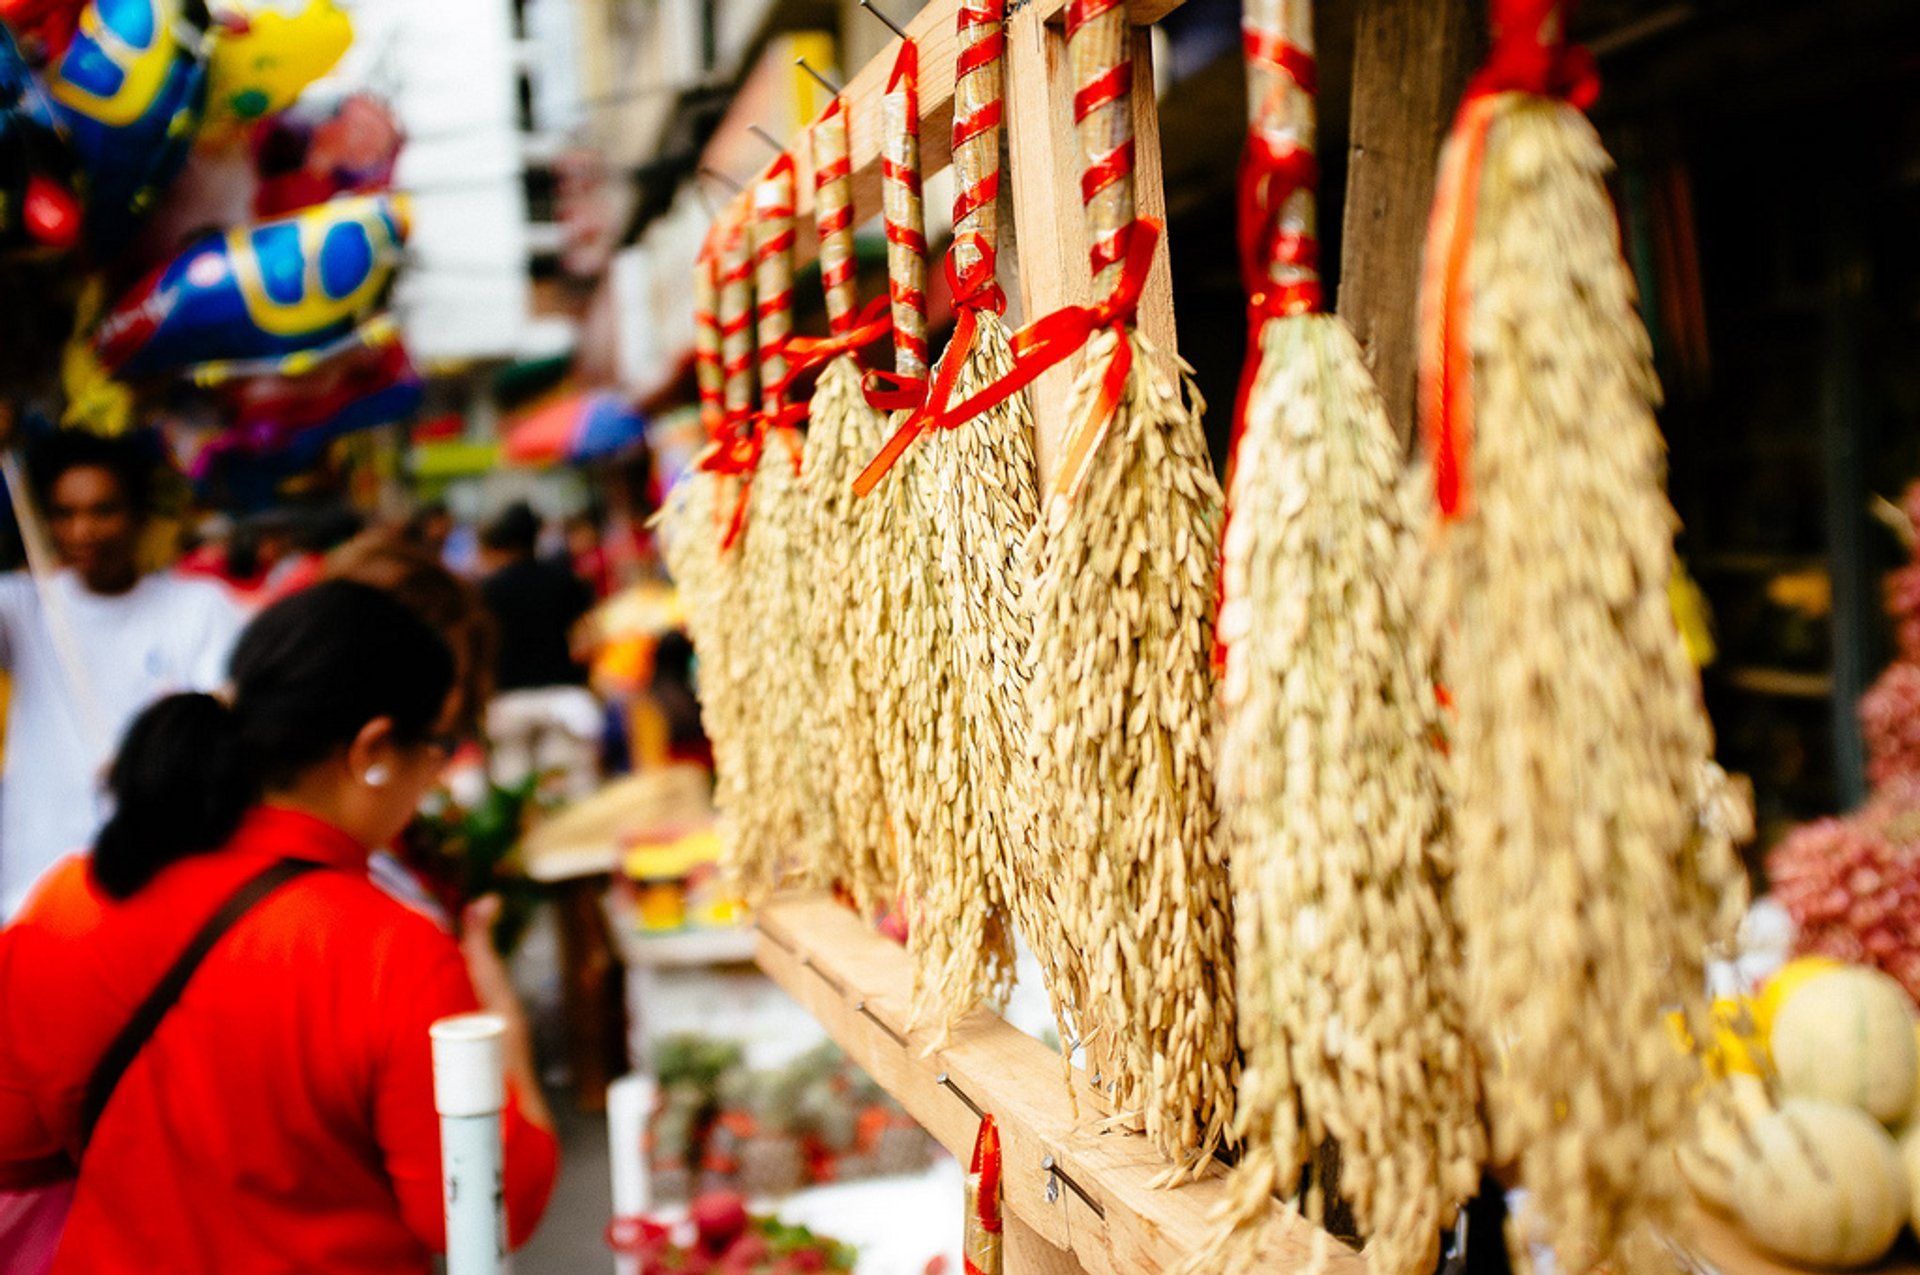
x=280, y=1115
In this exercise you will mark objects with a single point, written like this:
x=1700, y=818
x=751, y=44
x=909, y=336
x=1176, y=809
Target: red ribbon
x=805, y=353
x=986, y=1163
x=1046, y=343
x=738, y=456
x=1530, y=55
x=974, y=290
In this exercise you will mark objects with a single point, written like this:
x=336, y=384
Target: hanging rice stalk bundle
x=744, y=763
x=960, y=939
x=842, y=431
x=1126, y=877
x=775, y=565
x=1330, y=778
x=698, y=512
x=978, y=476
x=1592, y=831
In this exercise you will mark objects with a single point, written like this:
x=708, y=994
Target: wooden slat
x=1103, y=1213
x=1411, y=60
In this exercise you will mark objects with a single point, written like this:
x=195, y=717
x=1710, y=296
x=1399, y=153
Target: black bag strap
x=139, y=1030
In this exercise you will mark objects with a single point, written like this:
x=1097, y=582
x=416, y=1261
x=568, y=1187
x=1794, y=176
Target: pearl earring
x=377, y=775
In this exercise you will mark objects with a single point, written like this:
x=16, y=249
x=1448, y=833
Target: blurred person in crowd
x=666, y=717
x=281, y=1116
x=588, y=555
x=430, y=527
x=543, y=718
x=89, y=647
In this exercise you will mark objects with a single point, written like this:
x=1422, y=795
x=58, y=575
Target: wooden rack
x=1077, y=1196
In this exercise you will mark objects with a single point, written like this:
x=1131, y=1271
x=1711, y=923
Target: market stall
x=1005, y=668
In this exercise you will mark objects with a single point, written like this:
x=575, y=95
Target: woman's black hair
x=308, y=674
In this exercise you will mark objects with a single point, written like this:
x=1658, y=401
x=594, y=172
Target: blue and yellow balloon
x=130, y=90
x=278, y=296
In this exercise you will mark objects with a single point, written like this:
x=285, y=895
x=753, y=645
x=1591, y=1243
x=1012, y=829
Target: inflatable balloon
x=130, y=90
x=307, y=155
x=38, y=208
x=278, y=296
x=265, y=52
x=43, y=27
x=293, y=419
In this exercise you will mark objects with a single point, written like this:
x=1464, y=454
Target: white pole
x=469, y=1092
x=629, y=1103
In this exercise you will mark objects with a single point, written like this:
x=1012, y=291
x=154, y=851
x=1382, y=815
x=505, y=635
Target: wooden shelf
x=1077, y=1195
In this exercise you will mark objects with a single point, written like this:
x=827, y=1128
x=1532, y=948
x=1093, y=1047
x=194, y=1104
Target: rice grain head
x=843, y=432
x=1334, y=822
x=1121, y=704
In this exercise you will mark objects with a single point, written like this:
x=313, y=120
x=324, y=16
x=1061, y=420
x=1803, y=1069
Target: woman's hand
x=493, y=987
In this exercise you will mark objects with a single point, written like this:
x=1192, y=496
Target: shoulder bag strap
x=134, y=1036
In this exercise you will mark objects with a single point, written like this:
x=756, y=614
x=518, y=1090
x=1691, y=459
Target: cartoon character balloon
x=130, y=89
x=277, y=296
x=265, y=52
x=289, y=421
x=38, y=208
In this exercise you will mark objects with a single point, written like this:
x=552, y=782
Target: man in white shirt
x=89, y=648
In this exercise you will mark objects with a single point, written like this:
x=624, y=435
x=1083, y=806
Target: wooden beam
x=1411, y=61
x=1081, y=1192
x=935, y=31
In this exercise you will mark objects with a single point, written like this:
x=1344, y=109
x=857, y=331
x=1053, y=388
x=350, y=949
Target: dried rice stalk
x=986, y=504
x=691, y=524
x=957, y=928
x=1126, y=879
x=1120, y=700
x=775, y=566
x=842, y=433
x=1334, y=820
x=1590, y=867
x=752, y=851
x=1333, y=811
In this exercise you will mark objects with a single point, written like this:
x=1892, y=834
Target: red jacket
x=281, y=1118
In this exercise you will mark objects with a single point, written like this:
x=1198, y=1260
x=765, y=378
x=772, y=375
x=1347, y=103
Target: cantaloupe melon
x=1722, y=1138
x=1847, y=1035
x=1784, y=982
x=1825, y=1186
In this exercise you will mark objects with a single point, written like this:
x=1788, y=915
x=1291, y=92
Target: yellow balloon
x=266, y=53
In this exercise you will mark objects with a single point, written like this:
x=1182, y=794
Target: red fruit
x=748, y=1251
x=720, y=1217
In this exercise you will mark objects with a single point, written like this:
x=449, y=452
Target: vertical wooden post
x=1411, y=60
x=1050, y=230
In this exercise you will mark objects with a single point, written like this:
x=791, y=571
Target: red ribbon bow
x=1049, y=341
x=805, y=353
x=974, y=289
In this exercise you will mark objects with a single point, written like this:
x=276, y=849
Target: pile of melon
x=1819, y=1075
